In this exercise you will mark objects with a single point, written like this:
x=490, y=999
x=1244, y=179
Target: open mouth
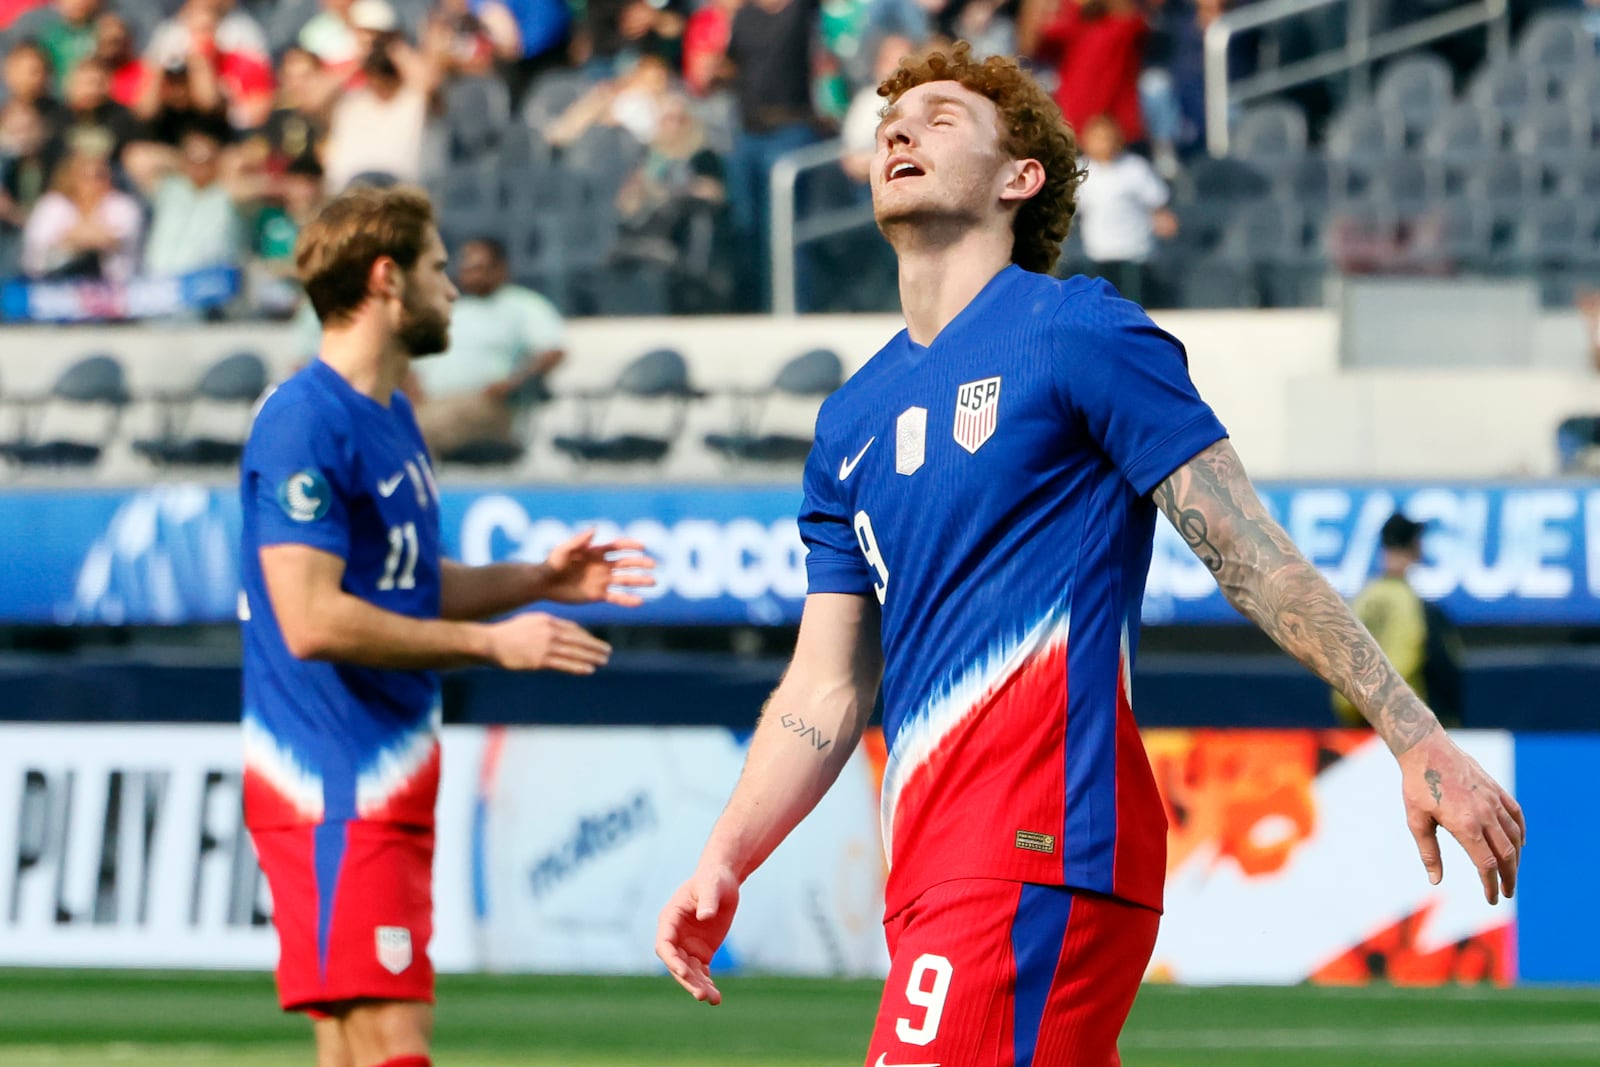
x=903, y=169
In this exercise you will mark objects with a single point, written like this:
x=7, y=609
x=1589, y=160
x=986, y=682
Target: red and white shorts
x=353, y=904
x=990, y=973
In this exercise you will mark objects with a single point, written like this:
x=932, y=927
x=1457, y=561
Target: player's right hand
x=534, y=641
x=692, y=927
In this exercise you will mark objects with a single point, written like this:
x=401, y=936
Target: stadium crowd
x=629, y=141
x=161, y=138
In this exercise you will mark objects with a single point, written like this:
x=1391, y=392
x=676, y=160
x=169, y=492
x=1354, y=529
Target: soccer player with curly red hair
x=979, y=509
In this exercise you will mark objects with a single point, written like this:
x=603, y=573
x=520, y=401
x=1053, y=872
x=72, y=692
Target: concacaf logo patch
x=304, y=496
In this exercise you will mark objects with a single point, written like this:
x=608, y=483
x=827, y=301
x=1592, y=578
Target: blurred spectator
x=299, y=119
x=379, y=127
x=1588, y=301
x=194, y=218
x=1184, y=88
x=179, y=93
x=468, y=50
x=528, y=37
x=633, y=100
x=1098, y=48
x=1416, y=636
x=28, y=81
x=769, y=57
x=93, y=122
x=705, y=44
x=859, y=132
x=113, y=47
x=1121, y=208
x=295, y=197
x=990, y=25
x=11, y=10
x=24, y=168
x=331, y=36
x=225, y=54
x=68, y=36
x=614, y=33
x=84, y=227
x=504, y=339
x=671, y=213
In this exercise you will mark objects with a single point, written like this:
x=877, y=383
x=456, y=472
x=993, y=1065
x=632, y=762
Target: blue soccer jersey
x=992, y=490
x=330, y=468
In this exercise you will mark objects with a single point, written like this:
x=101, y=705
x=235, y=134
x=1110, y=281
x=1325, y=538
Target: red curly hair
x=1032, y=128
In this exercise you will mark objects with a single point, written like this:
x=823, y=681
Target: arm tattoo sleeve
x=1215, y=509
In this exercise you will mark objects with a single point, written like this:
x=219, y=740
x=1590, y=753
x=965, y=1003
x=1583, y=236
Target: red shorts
x=989, y=973
x=353, y=904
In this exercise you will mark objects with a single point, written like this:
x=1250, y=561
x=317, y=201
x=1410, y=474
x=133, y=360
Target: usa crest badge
x=394, y=948
x=977, y=412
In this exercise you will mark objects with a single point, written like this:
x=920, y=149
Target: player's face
x=939, y=158
x=425, y=314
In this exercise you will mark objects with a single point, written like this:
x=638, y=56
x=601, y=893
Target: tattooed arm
x=807, y=732
x=1214, y=507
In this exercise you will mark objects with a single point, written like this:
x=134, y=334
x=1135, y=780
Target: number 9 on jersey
x=869, y=548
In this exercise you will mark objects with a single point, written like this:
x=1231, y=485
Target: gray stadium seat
x=1271, y=135
x=72, y=424
x=766, y=429
x=1453, y=235
x=1553, y=234
x=208, y=426
x=1219, y=181
x=1556, y=41
x=1407, y=182
x=1416, y=89
x=1363, y=132
x=1509, y=89
x=1503, y=181
x=1461, y=140
x=1556, y=131
x=639, y=417
x=476, y=110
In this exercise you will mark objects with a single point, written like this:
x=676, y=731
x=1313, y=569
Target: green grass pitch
x=150, y=1019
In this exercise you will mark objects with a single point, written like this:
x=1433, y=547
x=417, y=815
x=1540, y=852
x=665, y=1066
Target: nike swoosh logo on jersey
x=849, y=465
x=389, y=485
x=883, y=1061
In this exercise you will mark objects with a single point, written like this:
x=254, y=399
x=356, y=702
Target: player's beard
x=423, y=331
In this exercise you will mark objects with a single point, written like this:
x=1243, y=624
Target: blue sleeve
x=1127, y=381
x=834, y=563
x=297, y=475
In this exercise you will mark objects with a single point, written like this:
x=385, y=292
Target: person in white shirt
x=379, y=126
x=503, y=340
x=1122, y=208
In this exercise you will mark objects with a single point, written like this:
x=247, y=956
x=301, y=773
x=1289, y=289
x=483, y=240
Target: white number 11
x=402, y=541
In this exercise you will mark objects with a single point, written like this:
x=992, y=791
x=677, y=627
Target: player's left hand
x=578, y=571
x=1443, y=786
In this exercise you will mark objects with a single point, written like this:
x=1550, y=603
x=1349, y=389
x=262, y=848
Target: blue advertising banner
x=1496, y=553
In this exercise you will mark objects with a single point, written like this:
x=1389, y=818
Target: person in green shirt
x=70, y=37
x=1417, y=636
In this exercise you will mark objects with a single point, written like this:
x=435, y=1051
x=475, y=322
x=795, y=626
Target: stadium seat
x=208, y=425
x=1271, y=136
x=476, y=110
x=72, y=424
x=1508, y=89
x=1406, y=182
x=1453, y=235
x=1363, y=132
x=773, y=425
x=638, y=418
x=1417, y=89
x=1461, y=140
x=1552, y=132
x=1557, y=42
x=1503, y=181
x=1220, y=181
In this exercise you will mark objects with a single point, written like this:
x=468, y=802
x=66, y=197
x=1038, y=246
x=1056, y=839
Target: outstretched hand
x=692, y=927
x=582, y=572
x=1443, y=786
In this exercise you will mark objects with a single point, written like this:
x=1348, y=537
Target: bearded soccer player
x=978, y=512
x=348, y=610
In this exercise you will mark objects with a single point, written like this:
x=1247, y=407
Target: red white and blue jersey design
x=328, y=467
x=993, y=490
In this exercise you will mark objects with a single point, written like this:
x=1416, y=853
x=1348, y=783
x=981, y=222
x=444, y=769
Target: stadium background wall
x=122, y=846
